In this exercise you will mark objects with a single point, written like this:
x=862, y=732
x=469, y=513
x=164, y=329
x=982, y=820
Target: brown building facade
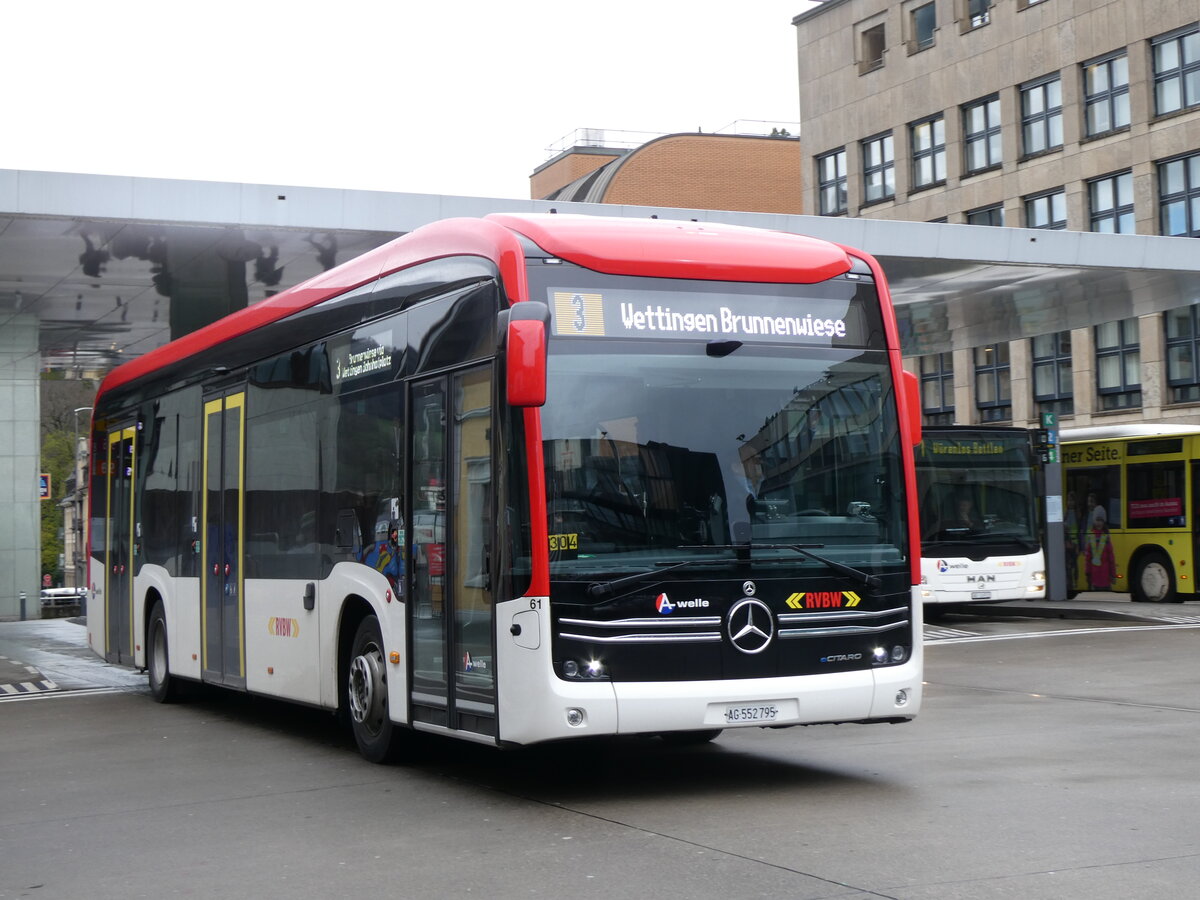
x=745, y=173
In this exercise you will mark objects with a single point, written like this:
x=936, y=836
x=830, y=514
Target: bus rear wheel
x=163, y=687
x=367, y=695
x=1153, y=580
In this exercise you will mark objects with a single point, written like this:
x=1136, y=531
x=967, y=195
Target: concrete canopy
x=112, y=266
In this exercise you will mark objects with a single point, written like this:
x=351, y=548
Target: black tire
x=366, y=695
x=1153, y=580
x=690, y=738
x=164, y=687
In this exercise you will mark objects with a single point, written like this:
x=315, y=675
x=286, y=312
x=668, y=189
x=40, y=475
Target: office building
x=1079, y=115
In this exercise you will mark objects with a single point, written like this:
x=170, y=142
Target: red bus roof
x=650, y=247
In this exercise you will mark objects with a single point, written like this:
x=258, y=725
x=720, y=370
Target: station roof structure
x=113, y=266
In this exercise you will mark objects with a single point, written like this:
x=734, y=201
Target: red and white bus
x=526, y=478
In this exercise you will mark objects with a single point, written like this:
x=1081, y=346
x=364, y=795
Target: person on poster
x=1098, y=551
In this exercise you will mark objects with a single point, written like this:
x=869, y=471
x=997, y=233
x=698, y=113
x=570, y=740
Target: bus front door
x=222, y=612
x=454, y=676
x=119, y=558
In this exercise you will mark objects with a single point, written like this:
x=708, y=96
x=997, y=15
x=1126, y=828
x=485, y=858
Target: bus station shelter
x=96, y=270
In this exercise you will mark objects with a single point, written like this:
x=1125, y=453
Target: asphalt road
x=1052, y=759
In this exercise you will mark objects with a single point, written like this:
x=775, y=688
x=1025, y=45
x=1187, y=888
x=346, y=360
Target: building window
x=1041, y=116
x=986, y=215
x=1025, y=4
x=1177, y=71
x=1118, y=365
x=879, y=168
x=1179, y=196
x=831, y=182
x=870, y=48
x=922, y=23
x=981, y=134
x=1111, y=203
x=1182, y=327
x=1106, y=94
x=975, y=13
x=1047, y=211
x=1053, y=387
x=937, y=388
x=993, y=386
x=928, y=140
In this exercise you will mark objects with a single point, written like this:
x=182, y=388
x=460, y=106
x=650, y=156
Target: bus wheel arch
x=1152, y=578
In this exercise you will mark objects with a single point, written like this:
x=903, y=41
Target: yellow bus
x=1130, y=508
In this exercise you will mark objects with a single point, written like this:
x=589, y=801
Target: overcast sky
x=455, y=97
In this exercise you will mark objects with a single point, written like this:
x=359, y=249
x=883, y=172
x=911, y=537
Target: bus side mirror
x=524, y=331
x=912, y=405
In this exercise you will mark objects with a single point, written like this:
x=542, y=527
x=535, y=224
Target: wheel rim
x=1154, y=581
x=158, y=654
x=368, y=689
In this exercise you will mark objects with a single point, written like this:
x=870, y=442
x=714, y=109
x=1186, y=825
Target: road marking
x=29, y=687
x=58, y=694
x=937, y=633
x=980, y=638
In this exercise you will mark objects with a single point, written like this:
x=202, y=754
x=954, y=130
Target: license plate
x=752, y=712
x=981, y=595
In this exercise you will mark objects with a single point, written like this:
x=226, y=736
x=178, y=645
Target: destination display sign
x=972, y=448
x=667, y=315
x=368, y=356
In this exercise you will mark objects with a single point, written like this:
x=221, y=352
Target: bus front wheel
x=367, y=695
x=1153, y=580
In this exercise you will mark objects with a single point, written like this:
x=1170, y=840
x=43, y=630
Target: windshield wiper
x=863, y=578
x=599, y=589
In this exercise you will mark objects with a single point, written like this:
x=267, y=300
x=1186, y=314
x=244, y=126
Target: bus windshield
x=977, y=490
x=660, y=451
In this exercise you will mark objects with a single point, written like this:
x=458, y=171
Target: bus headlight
x=584, y=669
x=1039, y=583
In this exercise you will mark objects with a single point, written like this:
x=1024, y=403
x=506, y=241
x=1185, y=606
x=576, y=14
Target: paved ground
x=1094, y=605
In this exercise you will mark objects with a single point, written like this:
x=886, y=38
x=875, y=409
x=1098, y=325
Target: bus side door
x=222, y=610
x=453, y=656
x=119, y=547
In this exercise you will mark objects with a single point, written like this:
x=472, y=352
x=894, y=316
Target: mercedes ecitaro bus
x=527, y=478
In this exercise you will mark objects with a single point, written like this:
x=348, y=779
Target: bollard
x=22, y=606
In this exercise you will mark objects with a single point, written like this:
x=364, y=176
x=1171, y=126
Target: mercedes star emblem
x=750, y=625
